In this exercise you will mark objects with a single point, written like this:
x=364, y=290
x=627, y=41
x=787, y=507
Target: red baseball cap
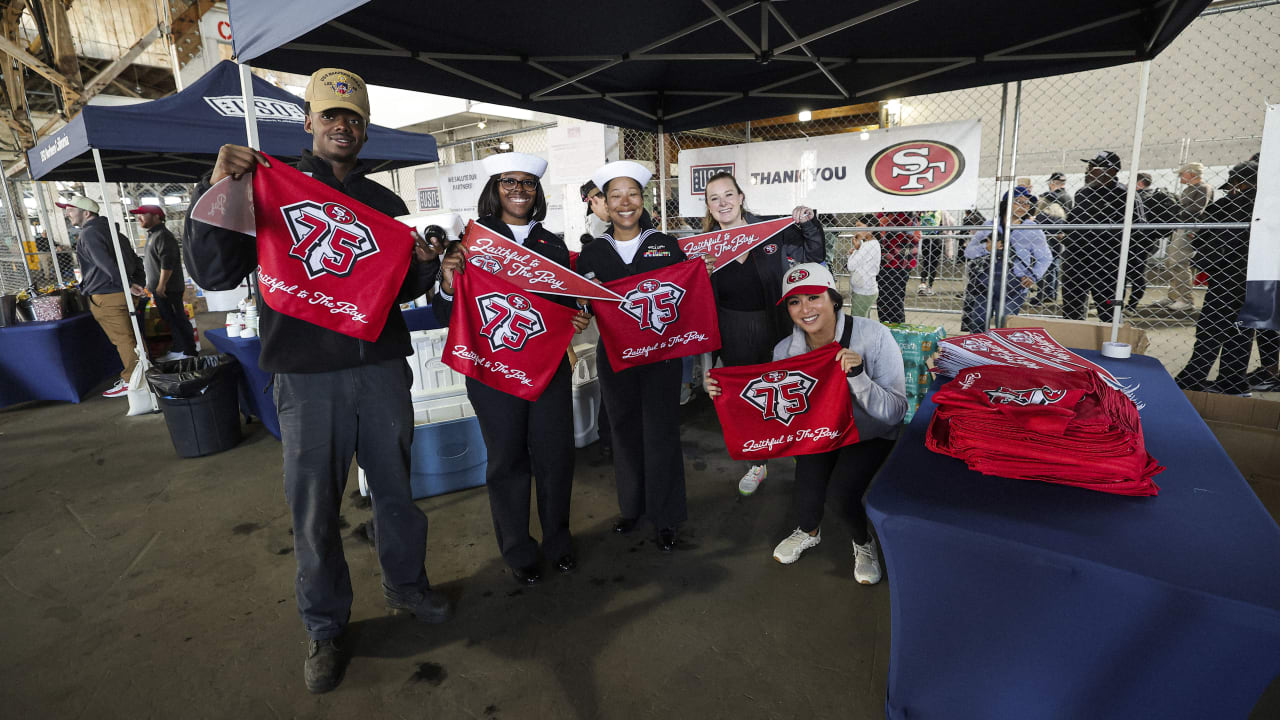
x=143, y=209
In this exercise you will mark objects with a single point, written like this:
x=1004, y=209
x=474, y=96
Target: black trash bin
x=201, y=402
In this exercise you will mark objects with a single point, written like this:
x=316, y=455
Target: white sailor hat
x=621, y=168
x=514, y=162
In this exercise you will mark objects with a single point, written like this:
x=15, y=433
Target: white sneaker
x=788, y=551
x=866, y=563
x=923, y=290
x=120, y=389
x=751, y=481
x=1180, y=305
x=686, y=393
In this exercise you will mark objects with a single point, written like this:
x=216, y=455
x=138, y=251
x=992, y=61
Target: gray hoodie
x=880, y=390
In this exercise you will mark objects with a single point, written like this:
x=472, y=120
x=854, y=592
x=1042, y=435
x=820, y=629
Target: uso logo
x=700, y=174
x=918, y=167
x=429, y=198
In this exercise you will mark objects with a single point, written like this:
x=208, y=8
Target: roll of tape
x=1116, y=350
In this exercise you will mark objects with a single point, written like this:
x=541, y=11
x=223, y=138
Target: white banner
x=456, y=189
x=913, y=168
x=1262, y=302
x=576, y=152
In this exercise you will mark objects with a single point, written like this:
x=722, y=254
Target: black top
x=1224, y=254
x=100, y=274
x=219, y=259
x=738, y=287
x=1100, y=204
x=163, y=253
x=657, y=250
x=540, y=240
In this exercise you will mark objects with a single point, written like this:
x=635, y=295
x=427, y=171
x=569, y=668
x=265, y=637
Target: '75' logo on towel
x=655, y=304
x=509, y=320
x=780, y=395
x=327, y=238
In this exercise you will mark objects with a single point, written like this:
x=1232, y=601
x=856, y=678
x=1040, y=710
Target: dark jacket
x=803, y=243
x=1100, y=205
x=1224, y=254
x=100, y=273
x=540, y=240
x=219, y=259
x=657, y=250
x=164, y=253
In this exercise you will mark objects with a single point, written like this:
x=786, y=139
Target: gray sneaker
x=324, y=666
x=429, y=606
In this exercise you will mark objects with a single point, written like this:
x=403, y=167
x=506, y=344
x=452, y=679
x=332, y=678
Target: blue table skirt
x=56, y=360
x=1020, y=599
x=255, y=393
x=420, y=319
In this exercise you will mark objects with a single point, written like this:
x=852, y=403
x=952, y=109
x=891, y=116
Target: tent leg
x=17, y=229
x=991, y=256
x=1144, y=75
x=1007, y=221
x=662, y=177
x=251, y=135
x=124, y=276
x=47, y=220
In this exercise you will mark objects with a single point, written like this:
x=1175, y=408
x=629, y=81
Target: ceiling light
x=805, y=116
x=480, y=124
x=150, y=200
x=504, y=145
x=173, y=200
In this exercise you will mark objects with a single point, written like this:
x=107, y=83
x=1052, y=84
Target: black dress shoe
x=667, y=539
x=624, y=525
x=529, y=575
x=567, y=563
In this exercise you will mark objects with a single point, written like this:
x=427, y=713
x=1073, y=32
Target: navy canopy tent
x=177, y=138
x=685, y=65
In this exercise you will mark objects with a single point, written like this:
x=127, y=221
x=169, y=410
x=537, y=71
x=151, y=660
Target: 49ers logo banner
x=725, y=245
x=324, y=257
x=798, y=406
x=507, y=338
x=664, y=314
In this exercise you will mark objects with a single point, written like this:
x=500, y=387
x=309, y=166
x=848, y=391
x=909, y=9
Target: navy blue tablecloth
x=55, y=360
x=255, y=390
x=1020, y=599
x=420, y=319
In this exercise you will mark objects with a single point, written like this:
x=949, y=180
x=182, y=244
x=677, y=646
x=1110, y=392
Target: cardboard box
x=1083, y=334
x=1249, y=431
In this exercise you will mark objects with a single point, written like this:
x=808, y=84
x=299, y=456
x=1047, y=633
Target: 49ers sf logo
x=655, y=304
x=1043, y=395
x=780, y=395
x=327, y=238
x=509, y=320
x=918, y=167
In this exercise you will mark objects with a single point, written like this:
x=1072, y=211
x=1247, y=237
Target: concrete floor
x=137, y=584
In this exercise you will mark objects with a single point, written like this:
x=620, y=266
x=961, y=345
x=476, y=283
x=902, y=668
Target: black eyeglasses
x=509, y=183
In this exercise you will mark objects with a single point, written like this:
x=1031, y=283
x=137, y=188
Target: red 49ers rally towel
x=507, y=338
x=324, y=257
x=798, y=406
x=664, y=314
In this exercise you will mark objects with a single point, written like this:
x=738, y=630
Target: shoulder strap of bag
x=847, y=336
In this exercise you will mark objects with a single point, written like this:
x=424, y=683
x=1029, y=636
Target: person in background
x=864, y=267
x=1029, y=258
x=102, y=285
x=746, y=288
x=1192, y=201
x=1050, y=213
x=930, y=251
x=337, y=396
x=1224, y=255
x=877, y=381
x=1161, y=207
x=597, y=212
x=1057, y=192
x=643, y=401
x=898, y=250
x=525, y=439
x=165, y=280
x=1091, y=258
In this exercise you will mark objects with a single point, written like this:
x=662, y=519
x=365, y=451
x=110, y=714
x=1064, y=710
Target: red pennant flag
x=798, y=406
x=324, y=257
x=525, y=268
x=725, y=245
x=664, y=314
x=507, y=338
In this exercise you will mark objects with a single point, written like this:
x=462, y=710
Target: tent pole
x=113, y=238
x=1130, y=198
x=1006, y=223
x=250, y=112
x=662, y=176
x=167, y=22
x=991, y=256
x=47, y=221
x=17, y=231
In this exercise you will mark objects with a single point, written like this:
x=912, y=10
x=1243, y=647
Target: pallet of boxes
x=918, y=344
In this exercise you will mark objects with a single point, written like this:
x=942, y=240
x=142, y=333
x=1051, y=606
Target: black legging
x=1217, y=332
x=930, y=258
x=846, y=473
x=891, y=304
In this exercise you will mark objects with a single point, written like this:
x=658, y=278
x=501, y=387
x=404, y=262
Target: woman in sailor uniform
x=643, y=402
x=524, y=439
